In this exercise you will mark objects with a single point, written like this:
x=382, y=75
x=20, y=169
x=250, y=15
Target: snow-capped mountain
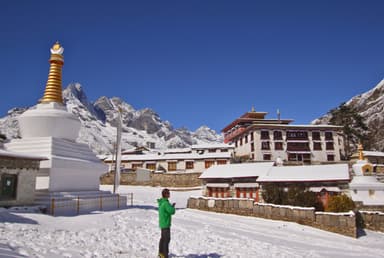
x=140, y=127
x=370, y=105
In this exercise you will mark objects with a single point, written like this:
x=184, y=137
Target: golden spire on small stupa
x=360, y=149
x=53, y=89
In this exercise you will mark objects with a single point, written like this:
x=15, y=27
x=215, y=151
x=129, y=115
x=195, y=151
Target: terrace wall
x=341, y=223
x=156, y=179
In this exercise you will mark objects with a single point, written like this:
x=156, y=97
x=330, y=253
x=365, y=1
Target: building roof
x=174, y=156
x=213, y=146
x=14, y=155
x=267, y=172
x=332, y=172
x=373, y=153
x=237, y=170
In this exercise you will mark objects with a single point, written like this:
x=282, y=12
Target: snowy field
x=134, y=232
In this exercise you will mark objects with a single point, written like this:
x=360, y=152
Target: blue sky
x=197, y=62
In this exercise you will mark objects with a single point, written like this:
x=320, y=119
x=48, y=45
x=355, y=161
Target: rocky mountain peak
x=99, y=119
x=369, y=105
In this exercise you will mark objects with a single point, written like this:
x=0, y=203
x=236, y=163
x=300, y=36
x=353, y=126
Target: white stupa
x=364, y=186
x=50, y=130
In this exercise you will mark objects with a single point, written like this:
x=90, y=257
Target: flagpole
x=118, y=152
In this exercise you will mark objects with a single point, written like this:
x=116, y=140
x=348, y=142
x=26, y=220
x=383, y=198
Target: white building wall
x=244, y=149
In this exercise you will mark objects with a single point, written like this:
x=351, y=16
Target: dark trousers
x=164, y=241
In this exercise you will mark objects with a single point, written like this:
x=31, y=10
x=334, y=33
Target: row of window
x=291, y=135
x=172, y=165
x=294, y=146
x=299, y=157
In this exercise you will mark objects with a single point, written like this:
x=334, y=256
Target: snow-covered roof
x=332, y=172
x=10, y=154
x=266, y=172
x=373, y=153
x=237, y=170
x=328, y=188
x=213, y=146
x=174, y=156
x=311, y=126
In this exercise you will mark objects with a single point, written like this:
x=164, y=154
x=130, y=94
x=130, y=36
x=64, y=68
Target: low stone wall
x=372, y=220
x=156, y=179
x=361, y=207
x=343, y=223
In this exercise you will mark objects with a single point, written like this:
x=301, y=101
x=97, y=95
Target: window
x=253, y=156
x=211, y=150
x=297, y=135
x=136, y=165
x=252, y=136
x=265, y=146
x=316, y=136
x=292, y=157
x=252, y=147
x=278, y=146
x=8, y=186
x=246, y=139
x=172, y=166
x=209, y=163
x=189, y=165
x=328, y=136
x=371, y=192
x=224, y=150
x=264, y=135
x=298, y=146
x=317, y=146
x=151, y=166
x=267, y=157
x=277, y=135
x=241, y=141
x=329, y=146
x=236, y=145
x=221, y=162
x=331, y=157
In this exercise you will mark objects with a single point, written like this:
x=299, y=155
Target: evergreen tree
x=354, y=127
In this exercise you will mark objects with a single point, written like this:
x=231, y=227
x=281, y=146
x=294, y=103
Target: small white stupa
x=50, y=130
x=364, y=186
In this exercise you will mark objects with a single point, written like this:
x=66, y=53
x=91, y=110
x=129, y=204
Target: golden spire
x=53, y=89
x=360, y=149
x=253, y=109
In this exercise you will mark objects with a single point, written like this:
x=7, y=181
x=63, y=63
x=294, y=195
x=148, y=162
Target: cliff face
x=369, y=105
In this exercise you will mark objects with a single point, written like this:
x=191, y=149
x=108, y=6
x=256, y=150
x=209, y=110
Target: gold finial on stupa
x=253, y=109
x=53, y=88
x=360, y=149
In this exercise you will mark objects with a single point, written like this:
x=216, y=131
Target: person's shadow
x=13, y=218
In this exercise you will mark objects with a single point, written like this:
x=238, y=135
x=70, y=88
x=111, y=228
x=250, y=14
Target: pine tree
x=354, y=127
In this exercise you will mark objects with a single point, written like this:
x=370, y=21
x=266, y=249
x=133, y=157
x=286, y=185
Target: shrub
x=295, y=196
x=272, y=193
x=340, y=203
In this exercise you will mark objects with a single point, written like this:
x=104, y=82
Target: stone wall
x=343, y=223
x=156, y=179
x=361, y=207
x=372, y=220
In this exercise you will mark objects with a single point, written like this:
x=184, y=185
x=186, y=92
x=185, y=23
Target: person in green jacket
x=166, y=210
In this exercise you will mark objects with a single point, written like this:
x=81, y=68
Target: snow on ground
x=134, y=232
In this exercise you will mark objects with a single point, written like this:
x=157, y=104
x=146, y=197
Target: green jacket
x=166, y=210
